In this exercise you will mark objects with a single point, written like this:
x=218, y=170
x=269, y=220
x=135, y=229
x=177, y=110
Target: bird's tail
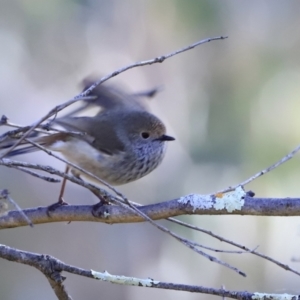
x=19, y=151
x=27, y=147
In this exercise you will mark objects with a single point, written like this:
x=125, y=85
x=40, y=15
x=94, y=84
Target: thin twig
x=265, y=171
x=158, y=59
x=52, y=112
x=42, y=128
x=149, y=93
x=16, y=164
x=222, y=239
x=5, y=195
x=46, y=178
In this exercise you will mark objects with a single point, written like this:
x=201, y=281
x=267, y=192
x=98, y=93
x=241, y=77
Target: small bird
x=120, y=144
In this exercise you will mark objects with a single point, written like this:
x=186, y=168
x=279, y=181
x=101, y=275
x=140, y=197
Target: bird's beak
x=165, y=137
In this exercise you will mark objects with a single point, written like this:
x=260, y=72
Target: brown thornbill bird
x=120, y=144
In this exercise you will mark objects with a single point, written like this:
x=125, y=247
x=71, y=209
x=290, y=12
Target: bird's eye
x=145, y=135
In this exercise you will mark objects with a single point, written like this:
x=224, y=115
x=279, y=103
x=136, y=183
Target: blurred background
x=233, y=106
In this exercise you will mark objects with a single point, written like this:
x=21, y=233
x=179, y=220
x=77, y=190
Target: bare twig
x=149, y=93
x=17, y=164
x=58, y=288
x=52, y=112
x=265, y=171
x=219, y=250
x=248, y=250
x=42, y=128
x=5, y=195
x=159, y=59
x=34, y=174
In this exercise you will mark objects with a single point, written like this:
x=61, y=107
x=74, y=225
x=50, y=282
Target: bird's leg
x=77, y=175
x=62, y=189
x=60, y=201
x=102, y=200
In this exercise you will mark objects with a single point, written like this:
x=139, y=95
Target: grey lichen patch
x=261, y=296
x=233, y=200
x=198, y=201
x=106, y=214
x=105, y=276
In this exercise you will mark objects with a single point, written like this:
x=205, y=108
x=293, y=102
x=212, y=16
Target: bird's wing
x=100, y=132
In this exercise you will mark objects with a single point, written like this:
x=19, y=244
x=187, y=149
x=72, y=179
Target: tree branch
x=113, y=214
x=44, y=263
x=52, y=268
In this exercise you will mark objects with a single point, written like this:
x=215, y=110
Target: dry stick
x=246, y=249
x=223, y=251
x=265, y=171
x=46, y=178
x=5, y=194
x=15, y=164
x=40, y=129
x=149, y=93
x=159, y=59
x=86, y=93
x=52, y=112
x=285, y=267
x=194, y=227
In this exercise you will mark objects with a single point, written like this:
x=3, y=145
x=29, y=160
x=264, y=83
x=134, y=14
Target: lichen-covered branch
x=113, y=214
x=52, y=268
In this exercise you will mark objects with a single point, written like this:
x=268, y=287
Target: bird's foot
x=56, y=205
